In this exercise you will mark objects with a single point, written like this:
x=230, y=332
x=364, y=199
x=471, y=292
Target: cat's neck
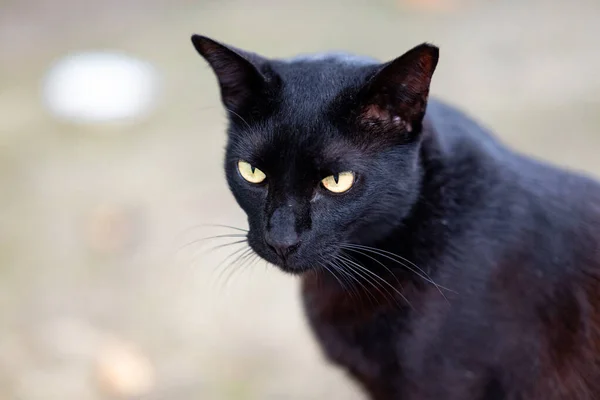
x=461, y=172
x=461, y=165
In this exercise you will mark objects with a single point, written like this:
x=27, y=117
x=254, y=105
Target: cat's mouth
x=308, y=254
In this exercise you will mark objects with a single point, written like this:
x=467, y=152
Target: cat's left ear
x=396, y=96
x=239, y=78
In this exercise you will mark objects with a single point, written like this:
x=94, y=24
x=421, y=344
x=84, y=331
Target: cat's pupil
x=336, y=178
x=252, y=168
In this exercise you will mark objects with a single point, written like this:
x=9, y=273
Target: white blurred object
x=124, y=371
x=100, y=87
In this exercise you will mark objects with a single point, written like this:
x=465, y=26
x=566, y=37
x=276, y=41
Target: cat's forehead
x=281, y=147
x=301, y=131
x=315, y=79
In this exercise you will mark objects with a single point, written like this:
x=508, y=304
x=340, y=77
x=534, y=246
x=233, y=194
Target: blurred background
x=111, y=145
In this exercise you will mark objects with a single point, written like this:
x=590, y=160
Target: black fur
x=481, y=279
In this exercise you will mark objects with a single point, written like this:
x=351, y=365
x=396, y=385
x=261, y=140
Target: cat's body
x=450, y=267
x=521, y=250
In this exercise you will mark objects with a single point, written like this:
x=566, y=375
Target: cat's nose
x=283, y=245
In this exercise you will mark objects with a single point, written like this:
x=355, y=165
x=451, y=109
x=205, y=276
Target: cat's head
x=323, y=151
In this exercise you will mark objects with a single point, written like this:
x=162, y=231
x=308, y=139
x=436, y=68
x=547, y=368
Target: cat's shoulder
x=562, y=199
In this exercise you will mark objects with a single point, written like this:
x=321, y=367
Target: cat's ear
x=396, y=96
x=237, y=72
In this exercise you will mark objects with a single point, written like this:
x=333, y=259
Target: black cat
x=436, y=263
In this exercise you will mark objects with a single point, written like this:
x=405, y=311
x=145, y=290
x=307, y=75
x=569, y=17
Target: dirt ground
x=106, y=290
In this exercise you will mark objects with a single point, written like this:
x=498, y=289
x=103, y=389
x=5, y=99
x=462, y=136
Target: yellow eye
x=339, y=183
x=250, y=173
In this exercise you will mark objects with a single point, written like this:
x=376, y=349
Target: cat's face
x=323, y=152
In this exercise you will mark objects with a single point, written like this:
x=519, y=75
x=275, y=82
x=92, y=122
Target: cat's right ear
x=238, y=76
x=396, y=96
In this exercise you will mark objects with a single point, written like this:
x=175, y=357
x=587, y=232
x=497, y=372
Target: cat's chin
x=294, y=270
x=290, y=267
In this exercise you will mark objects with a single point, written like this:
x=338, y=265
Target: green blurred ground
x=528, y=69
